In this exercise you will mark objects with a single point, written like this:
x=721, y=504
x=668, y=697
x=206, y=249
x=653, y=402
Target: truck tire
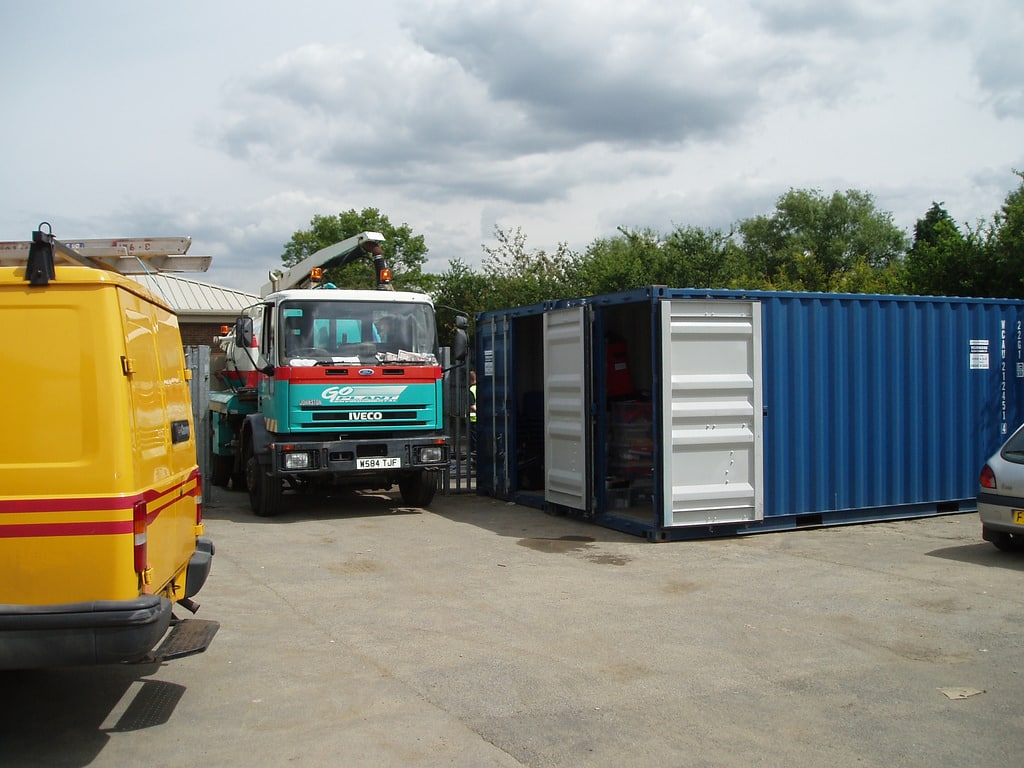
x=238, y=482
x=265, y=491
x=418, y=488
x=220, y=470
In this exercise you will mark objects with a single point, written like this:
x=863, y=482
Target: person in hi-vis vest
x=472, y=412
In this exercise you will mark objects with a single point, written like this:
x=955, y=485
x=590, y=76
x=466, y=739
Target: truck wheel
x=418, y=488
x=220, y=470
x=265, y=491
x=238, y=482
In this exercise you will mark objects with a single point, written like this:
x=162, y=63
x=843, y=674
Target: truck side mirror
x=243, y=332
x=460, y=345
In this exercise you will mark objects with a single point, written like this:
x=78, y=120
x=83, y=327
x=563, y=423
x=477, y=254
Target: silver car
x=1001, y=495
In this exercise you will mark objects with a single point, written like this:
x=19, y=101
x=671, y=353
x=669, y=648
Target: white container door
x=711, y=412
x=566, y=409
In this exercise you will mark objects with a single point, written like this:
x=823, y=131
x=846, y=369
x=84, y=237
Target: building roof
x=193, y=299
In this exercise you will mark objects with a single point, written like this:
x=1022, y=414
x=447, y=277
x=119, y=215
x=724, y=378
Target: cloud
x=839, y=19
x=566, y=118
x=343, y=106
x=513, y=101
x=484, y=99
x=600, y=72
x=999, y=63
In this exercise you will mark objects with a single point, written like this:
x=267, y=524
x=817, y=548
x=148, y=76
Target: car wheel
x=418, y=488
x=1005, y=542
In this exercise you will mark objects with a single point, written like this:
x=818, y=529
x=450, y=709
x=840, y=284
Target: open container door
x=566, y=410
x=493, y=425
x=712, y=470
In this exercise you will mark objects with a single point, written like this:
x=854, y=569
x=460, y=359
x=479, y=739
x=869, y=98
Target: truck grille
x=349, y=417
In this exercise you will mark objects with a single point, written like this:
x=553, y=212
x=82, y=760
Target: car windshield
x=363, y=332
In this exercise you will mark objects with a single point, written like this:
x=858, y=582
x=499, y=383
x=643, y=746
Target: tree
x=812, y=242
x=943, y=261
x=405, y=252
x=701, y=258
x=690, y=257
x=616, y=263
x=1006, y=243
x=518, y=277
x=462, y=289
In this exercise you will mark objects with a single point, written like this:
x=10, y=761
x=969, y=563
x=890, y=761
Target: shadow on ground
x=64, y=716
x=981, y=553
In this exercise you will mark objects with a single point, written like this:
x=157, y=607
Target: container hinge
x=127, y=367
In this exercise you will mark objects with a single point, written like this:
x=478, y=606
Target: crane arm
x=338, y=255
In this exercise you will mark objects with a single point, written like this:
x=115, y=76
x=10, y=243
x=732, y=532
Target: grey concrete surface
x=480, y=633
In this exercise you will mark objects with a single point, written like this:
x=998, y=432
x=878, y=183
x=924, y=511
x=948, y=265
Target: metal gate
x=197, y=360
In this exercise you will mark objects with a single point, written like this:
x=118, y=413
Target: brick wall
x=198, y=334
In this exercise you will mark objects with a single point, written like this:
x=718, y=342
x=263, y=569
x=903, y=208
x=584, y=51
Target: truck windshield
x=325, y=331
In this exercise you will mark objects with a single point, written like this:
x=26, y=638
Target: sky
x=237, y=122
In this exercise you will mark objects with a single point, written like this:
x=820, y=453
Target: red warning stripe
x=156, y=502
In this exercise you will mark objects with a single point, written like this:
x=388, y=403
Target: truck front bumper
x=96, y=632
x=356, y=457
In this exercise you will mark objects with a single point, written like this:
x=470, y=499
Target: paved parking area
x=480, y=633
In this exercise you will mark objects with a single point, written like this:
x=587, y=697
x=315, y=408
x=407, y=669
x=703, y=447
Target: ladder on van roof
x=126, y=256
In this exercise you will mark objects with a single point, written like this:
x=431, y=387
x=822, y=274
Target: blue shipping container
x=677, y=413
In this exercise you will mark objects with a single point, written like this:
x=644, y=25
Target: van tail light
x=988, y=478
x=139, y=530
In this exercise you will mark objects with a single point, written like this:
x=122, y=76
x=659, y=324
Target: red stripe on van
x=65, y=529
x=154, y=500
x=90, y=504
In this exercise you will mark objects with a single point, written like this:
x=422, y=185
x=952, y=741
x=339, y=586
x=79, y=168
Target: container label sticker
x=979, y=354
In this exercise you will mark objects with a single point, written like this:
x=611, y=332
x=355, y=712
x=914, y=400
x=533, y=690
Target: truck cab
x=350, y=395
x=348, y=389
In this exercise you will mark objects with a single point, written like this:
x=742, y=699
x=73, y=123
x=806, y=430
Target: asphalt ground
x=358, y=632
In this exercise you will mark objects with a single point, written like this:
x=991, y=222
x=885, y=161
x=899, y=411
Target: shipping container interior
x=621, y=482
x=625, y=483
x=526, y=386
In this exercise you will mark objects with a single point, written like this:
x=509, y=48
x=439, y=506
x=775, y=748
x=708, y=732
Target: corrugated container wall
x=882, y=402
x=851, y=408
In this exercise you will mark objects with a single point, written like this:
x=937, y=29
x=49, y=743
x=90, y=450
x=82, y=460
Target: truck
x=101, y=504
x=332, y=388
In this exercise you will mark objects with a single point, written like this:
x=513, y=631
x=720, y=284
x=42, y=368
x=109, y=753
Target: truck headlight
x=431, y=454
x=299, y=460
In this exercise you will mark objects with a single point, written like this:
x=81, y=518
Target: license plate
x=1017, y=515
x=379, y=462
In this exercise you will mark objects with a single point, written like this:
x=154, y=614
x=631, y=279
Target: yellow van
x=100, y=494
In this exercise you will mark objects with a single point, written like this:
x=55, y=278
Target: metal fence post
x=197, y=359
